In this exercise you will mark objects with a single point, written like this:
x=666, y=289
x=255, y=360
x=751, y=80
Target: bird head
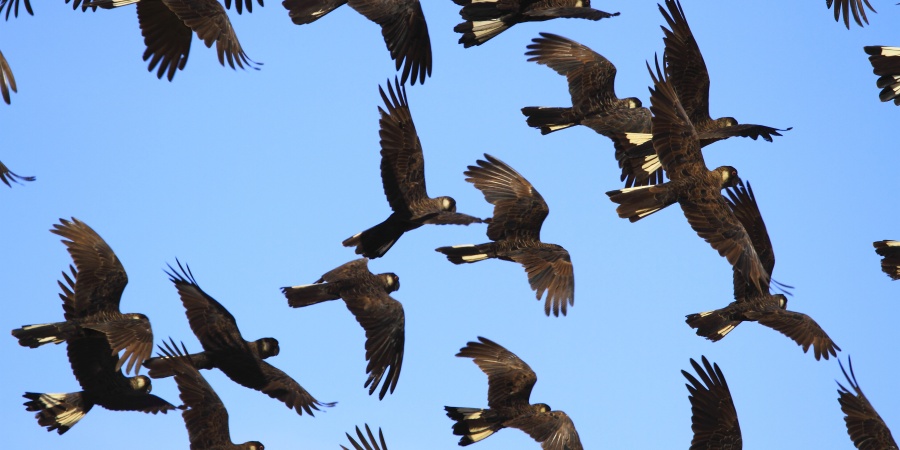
x=267, y=347
x=729, y=176
x=448, y=204
x=390, y=281
x=141, y=384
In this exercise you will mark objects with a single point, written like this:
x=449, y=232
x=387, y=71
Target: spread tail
x=308, y=294
x=550, y=119
x=635, y=203
x=376, y=241
x=308, y=11
x=35, y=336
x=713, y=325
x=460, y=254
x=472, y=424
x=57, y=411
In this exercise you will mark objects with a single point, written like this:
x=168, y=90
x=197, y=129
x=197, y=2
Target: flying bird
x=205, y=416
x=890, y=263
x=402, y=24
x=167, y=26
x=687, y=72
x=515, y=229
x=485, y=19
x=91, y=301
x=866, y=428
x=7, y=176
x=366, y=296
x=403, y=177
x=755, y=304
x=886, y=64
x=97, y=369
x=591, y=79
x=12, y=6
x=695, y=187
x=367, y=443
x=510, y=382
x=846, y=7
x=7, y=83
x=226, y=349
x=713, y=417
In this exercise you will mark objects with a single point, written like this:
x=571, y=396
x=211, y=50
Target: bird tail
x=460, y=254
x=57, y=411
x=550, y=119
x=477, y=30
x=376, y=241
x=713, y=325
x=308, y=11
x=472, y=424
x=37, y=335
x=162, y=366
x=308, y=294
x=635, y=203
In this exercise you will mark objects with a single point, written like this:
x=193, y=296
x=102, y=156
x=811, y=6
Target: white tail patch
x=480, y=434
x=52, y=339
x=118, y=3
x=29, y=327
x=704, y=314
x=473, y=258
x=463, y=246
x=638, y=138
x=651, y=163
x=558, y=127
x=892, y=243
x=646, y=212
x=52, y=400
x=301, y=286
x=725, y=330
x=486, y=28
x=890, y=51
x=631, y=189
x=474, y=415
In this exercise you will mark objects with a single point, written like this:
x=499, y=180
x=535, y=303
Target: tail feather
x=480, y=31
x=477, y=10
x=309, y=294
x=713, y=325
x=57, y=411
x=635, y=203
x=472, y=424
x=308, y=11
x=35, y=336
x=550, y=119
x=376, y=241
x=161, y=366
x=461, y=254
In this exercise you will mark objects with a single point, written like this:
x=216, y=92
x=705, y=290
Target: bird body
x=485, y=19
x=510, y=381
x=381, y=316
x=515, y=229
x=403, y=179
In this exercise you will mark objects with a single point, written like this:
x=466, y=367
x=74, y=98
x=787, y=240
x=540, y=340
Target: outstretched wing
x=846, y=7
x=510, y=380
x=713, y=416
x=405, y=33
x=803, y=330
x=519, y=209
x=684, y=63
x=383, y=319
x=743, y=205
x=866, y=428
x=367, y=443
x=213, y=325
x=402, y=162
x=553, y=429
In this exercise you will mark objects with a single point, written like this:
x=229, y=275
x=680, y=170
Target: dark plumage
x=12, y=6
x=226, y=349
x=167, y=24
x=367, y=443
x=6, y=175
x=366, y=296
x=485, y=19
x=402, y=25
x=890, y=263
x=755, y=304
x=7, y=83
x=519, y=212
x=713, y=417
x=693, y=186
x=403, y=177
x=591, y=79
x=850, y=6
x=886, y=64
x=866, y=428
x=687, y=73
x=96, y=367
x=510, y=382
x=205, y=416
x=91, y=301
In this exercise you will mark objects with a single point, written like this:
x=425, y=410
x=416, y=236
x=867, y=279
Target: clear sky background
x=254, y=178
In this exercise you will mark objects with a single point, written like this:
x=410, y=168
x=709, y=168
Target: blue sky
x=253, y=178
